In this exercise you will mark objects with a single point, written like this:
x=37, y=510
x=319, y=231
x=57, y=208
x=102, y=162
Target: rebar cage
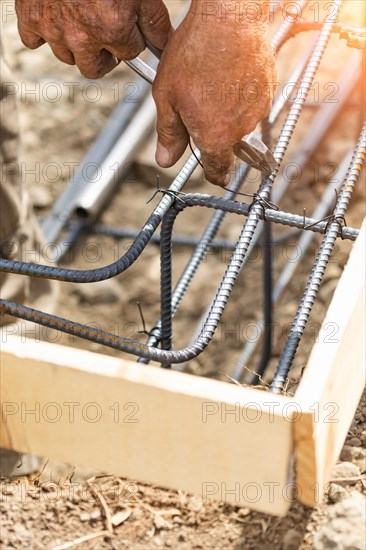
x=260, y=212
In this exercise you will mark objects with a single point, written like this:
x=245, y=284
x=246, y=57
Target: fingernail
x=162, y=155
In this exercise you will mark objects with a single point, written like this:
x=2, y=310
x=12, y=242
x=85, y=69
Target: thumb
x=154, y=23
x=173, y=137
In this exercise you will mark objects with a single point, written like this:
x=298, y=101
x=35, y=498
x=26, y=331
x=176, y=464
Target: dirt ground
x=62, y=506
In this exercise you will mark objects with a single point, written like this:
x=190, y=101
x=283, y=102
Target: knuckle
x=131, y=52
x=166, y=135
x=31, y=43
x=92, y=73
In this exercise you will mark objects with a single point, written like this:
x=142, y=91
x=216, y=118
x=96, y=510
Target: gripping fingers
x=173, y=137
x=63, y=54
x=218, y=166
x=94, y=64
x=154, y=23
x=30, y=39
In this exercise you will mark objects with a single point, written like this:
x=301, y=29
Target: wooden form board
x=172, y=429
x=333, y=381
x=179, y=431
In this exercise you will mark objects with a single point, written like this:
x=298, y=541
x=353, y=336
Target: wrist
x=242, y=12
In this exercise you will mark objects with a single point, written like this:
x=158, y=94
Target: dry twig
x=80, y=540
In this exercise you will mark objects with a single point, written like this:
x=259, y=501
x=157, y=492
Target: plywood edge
x=333, y=381
x=175, y=430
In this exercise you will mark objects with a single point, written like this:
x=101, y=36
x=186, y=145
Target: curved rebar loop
x=141, y=241
x=123, y=263
x=286, y=134
x=219, y=303
x=332, y=231
x=148, y=352
x=198, y=255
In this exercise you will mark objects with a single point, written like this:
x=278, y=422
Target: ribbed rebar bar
x=181, y=240
x=121, y=265
x=238, y=180
x=267, y=244
x=198, y=255
x=303, y=243
x=166, y=330
x=286, y=26
x=269, y=214
x=319, y=267
x=291, y=121
x=255, y=212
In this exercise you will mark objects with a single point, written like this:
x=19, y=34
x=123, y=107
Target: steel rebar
x=287, y=273
x=320, y=265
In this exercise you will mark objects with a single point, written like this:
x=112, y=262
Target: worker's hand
x=92, y=34
x=215, y=82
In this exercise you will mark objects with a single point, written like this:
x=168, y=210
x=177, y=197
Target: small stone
x=138, y=513
x=104, y=292
x=349, y=453
x=355, y=442
x=178, y=520
x=21, y=532
x=243, y=512
x=361, y=464
x=292, y=540
x=345, y=526
x=195, y=504
x=345, y=470
x=95, y=515
x=336, y=493
x=84, y=516
x=120, y=517
x=41, y=196
x=161, y=523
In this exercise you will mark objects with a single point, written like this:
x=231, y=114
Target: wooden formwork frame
x=241, y=445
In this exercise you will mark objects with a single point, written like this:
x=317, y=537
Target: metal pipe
x=64, y=207
x=89, y=203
